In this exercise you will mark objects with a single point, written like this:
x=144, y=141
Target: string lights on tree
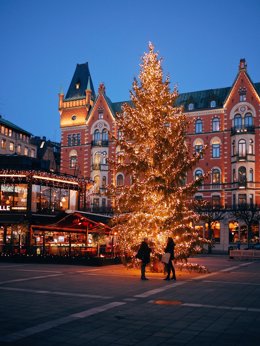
x=154, y=153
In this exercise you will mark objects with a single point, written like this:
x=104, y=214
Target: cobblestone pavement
x=44, y=304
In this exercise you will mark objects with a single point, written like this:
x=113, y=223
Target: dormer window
x=77, y=85
x=242, y=94
x=190, y=106
x=213, y=104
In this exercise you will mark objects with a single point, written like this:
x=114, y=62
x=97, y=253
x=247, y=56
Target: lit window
x=26, y=151
x=100, y=114
x=242, y=148
x=215, y=201
x=215, y=176
x=198, y=174
x=19, y=149
x=11, y=146
x=73, y=161
x=3, y=144
x=251, y=147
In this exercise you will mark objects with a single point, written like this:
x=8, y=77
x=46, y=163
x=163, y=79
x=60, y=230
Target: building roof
x=13, y=126
x=81, y=81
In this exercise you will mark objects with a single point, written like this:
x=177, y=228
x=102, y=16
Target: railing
x=99, y=143
x=244, y=254
x=242, y=129
x=99, y=167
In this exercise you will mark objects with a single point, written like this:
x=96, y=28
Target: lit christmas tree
x=154, y=153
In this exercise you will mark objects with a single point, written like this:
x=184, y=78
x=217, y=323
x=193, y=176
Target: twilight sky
x=200, y=41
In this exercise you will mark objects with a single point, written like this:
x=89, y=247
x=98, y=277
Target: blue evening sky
x=200, y=41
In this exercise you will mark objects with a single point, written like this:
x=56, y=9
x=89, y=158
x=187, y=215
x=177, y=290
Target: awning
x=74, y=222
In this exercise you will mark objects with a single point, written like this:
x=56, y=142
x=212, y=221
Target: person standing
x=144, y=255
x=169, y=266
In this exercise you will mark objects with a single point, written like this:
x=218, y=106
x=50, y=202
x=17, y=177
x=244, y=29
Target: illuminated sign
x=5, y=208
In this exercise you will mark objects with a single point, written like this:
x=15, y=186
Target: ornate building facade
x=226, y=120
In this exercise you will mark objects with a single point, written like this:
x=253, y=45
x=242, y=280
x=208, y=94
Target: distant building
x=48, y=151
x=15, y=140
x=227, y=120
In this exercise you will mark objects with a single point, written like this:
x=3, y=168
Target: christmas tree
x=153, y=152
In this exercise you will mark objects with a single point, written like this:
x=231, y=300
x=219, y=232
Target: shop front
x=75, y=236
x=29, y=197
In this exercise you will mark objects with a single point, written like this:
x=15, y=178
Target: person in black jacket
x=144, y=255
x=170, y=268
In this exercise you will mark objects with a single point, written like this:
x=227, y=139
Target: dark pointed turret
x=81, y=82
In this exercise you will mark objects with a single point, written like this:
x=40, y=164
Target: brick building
x=224, y=119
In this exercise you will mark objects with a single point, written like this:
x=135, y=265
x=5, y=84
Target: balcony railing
x=236, y=130
x=99, y=143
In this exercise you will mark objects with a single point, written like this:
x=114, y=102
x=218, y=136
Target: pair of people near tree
x=144, y=253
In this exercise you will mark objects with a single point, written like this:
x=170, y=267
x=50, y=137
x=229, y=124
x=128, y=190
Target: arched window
x=215, y=124
x=198, y=146
x=104, y=158
x=238, y=122
x=198, y=174
x=190, y=106
x=216, y=176
x=96, y=183
x=213, y=104
x=105, y=135
x=242, y=148
x=96, y=136
x=198, y=126
x=248, y=121
x=120, y=180
x=242, y=175
x=104, y=181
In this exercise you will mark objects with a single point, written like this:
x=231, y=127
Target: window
x=69, y=140
x=119, y=134
x=251, y=147
x=19, y=149
x=104, y=135
x=100, y=114
x=96, y=184
x=198, y=146
x=32, y=153
x=190, y=106
x=104, y=181
x=198, y=174
x=238, y=122
x=215, y=150
x=234, y=175
x=242, y=97
x=241, y=199
x=242, y=148
x=74, y=117
x=242, y=176
x=10, y=132
x=198, y=126
x=73, y=161
x=11, y=146
x=251, y=175
x=120, y=180
x=26, y=151
x=3, y=143
x=215, y=200
x=248, y=121
x=215, y=145
x=215, y=124
x=96, y=136
x=215, y=176
x=213, y=104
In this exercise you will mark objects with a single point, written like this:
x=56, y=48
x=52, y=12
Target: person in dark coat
x=144, y=255
x=169, y=266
